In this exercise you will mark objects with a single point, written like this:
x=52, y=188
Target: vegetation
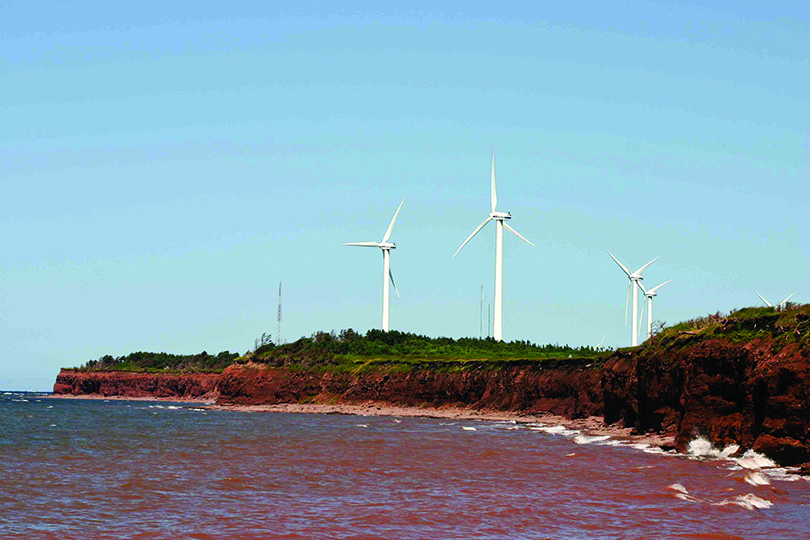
x=790, y=325
x=350, y=349
x=162, y=362
x=401, y=351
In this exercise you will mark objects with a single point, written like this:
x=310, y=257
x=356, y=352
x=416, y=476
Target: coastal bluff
x=741, y=380
x=181, y=386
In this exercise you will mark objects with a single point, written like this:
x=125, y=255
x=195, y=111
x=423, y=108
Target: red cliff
x=195, y=386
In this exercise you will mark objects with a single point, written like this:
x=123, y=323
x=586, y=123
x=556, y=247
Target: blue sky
x=165, y=164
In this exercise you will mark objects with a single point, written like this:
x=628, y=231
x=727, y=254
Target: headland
x=741, y=378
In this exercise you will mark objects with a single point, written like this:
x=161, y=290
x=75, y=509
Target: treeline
x=324, y=346
x=149, y=361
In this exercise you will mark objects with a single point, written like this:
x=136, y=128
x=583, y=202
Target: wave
x=748, y=501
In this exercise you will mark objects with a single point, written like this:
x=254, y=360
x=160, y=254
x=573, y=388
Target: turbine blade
x=783, y=302
x=473, y=234
x=642, y=287
x=391, y=226
x=627, y=303
x=394, y=283
x=763, y=299
x=494, y=192
x=655, y=289
x=640, y=270
x=362, y=244
x=623, y=267
x=505, y=224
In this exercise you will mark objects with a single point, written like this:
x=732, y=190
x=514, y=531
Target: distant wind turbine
x=635, y=278
x=778, y=306
x=499, y=218
x=649, y=295
x=386, y=248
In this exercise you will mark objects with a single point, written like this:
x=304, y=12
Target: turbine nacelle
x=500, y=216
x=388, y=245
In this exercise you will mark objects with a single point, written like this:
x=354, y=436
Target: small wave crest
x=748, y=501
x=753, y=460
x=584, y=439
x=757, y=479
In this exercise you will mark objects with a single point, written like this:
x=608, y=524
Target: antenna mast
x=279, y=339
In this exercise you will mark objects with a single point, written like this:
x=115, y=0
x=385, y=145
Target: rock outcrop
x=125, y=384
x=568, y=388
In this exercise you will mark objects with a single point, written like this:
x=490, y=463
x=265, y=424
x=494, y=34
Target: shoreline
x=591, y=426
x=207, y=401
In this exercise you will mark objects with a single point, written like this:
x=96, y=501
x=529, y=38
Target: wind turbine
x=635, y=278
x=499, y=218
x=386, y=248
x=778, y=306
x=649, y=295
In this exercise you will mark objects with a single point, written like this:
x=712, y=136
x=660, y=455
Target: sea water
x=135, y=469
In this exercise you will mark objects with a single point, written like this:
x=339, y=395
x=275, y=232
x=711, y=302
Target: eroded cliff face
x=569, y=389
x=125, y=384
x=755, y=395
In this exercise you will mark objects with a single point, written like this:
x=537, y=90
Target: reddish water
x=90, y=469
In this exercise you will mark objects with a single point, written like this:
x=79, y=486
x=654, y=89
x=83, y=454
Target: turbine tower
x=388, y=277
x=778, y=306
x=649, y=295
x=500, y=219
x=634, y=278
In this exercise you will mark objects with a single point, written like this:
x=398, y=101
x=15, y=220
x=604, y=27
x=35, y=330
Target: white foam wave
x=753, y=460
x=749, y=502
x=173, y=407
x=757, y=479
x=702, y=448
x=468, y=428
x=558, y=430
x=361, y=425
x=584, y=439
x=683, y=493
x=783, y=474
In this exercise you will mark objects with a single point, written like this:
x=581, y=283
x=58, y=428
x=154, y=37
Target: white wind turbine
x=778, y=306
x=386, y=248
x=635, y=278
x=649, y=295
x=499, y=218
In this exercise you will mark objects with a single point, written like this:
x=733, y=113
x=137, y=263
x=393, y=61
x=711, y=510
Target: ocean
x=149, y=470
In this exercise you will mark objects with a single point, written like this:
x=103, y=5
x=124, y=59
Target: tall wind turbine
x=778, y=306
x=499, y=218
x=388, y=277
x=649, y=295
x=634, y=278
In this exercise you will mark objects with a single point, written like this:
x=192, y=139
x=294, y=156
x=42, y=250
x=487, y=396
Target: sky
x=164, y=165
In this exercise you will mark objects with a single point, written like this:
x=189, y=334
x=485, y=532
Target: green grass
x=789, y=326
